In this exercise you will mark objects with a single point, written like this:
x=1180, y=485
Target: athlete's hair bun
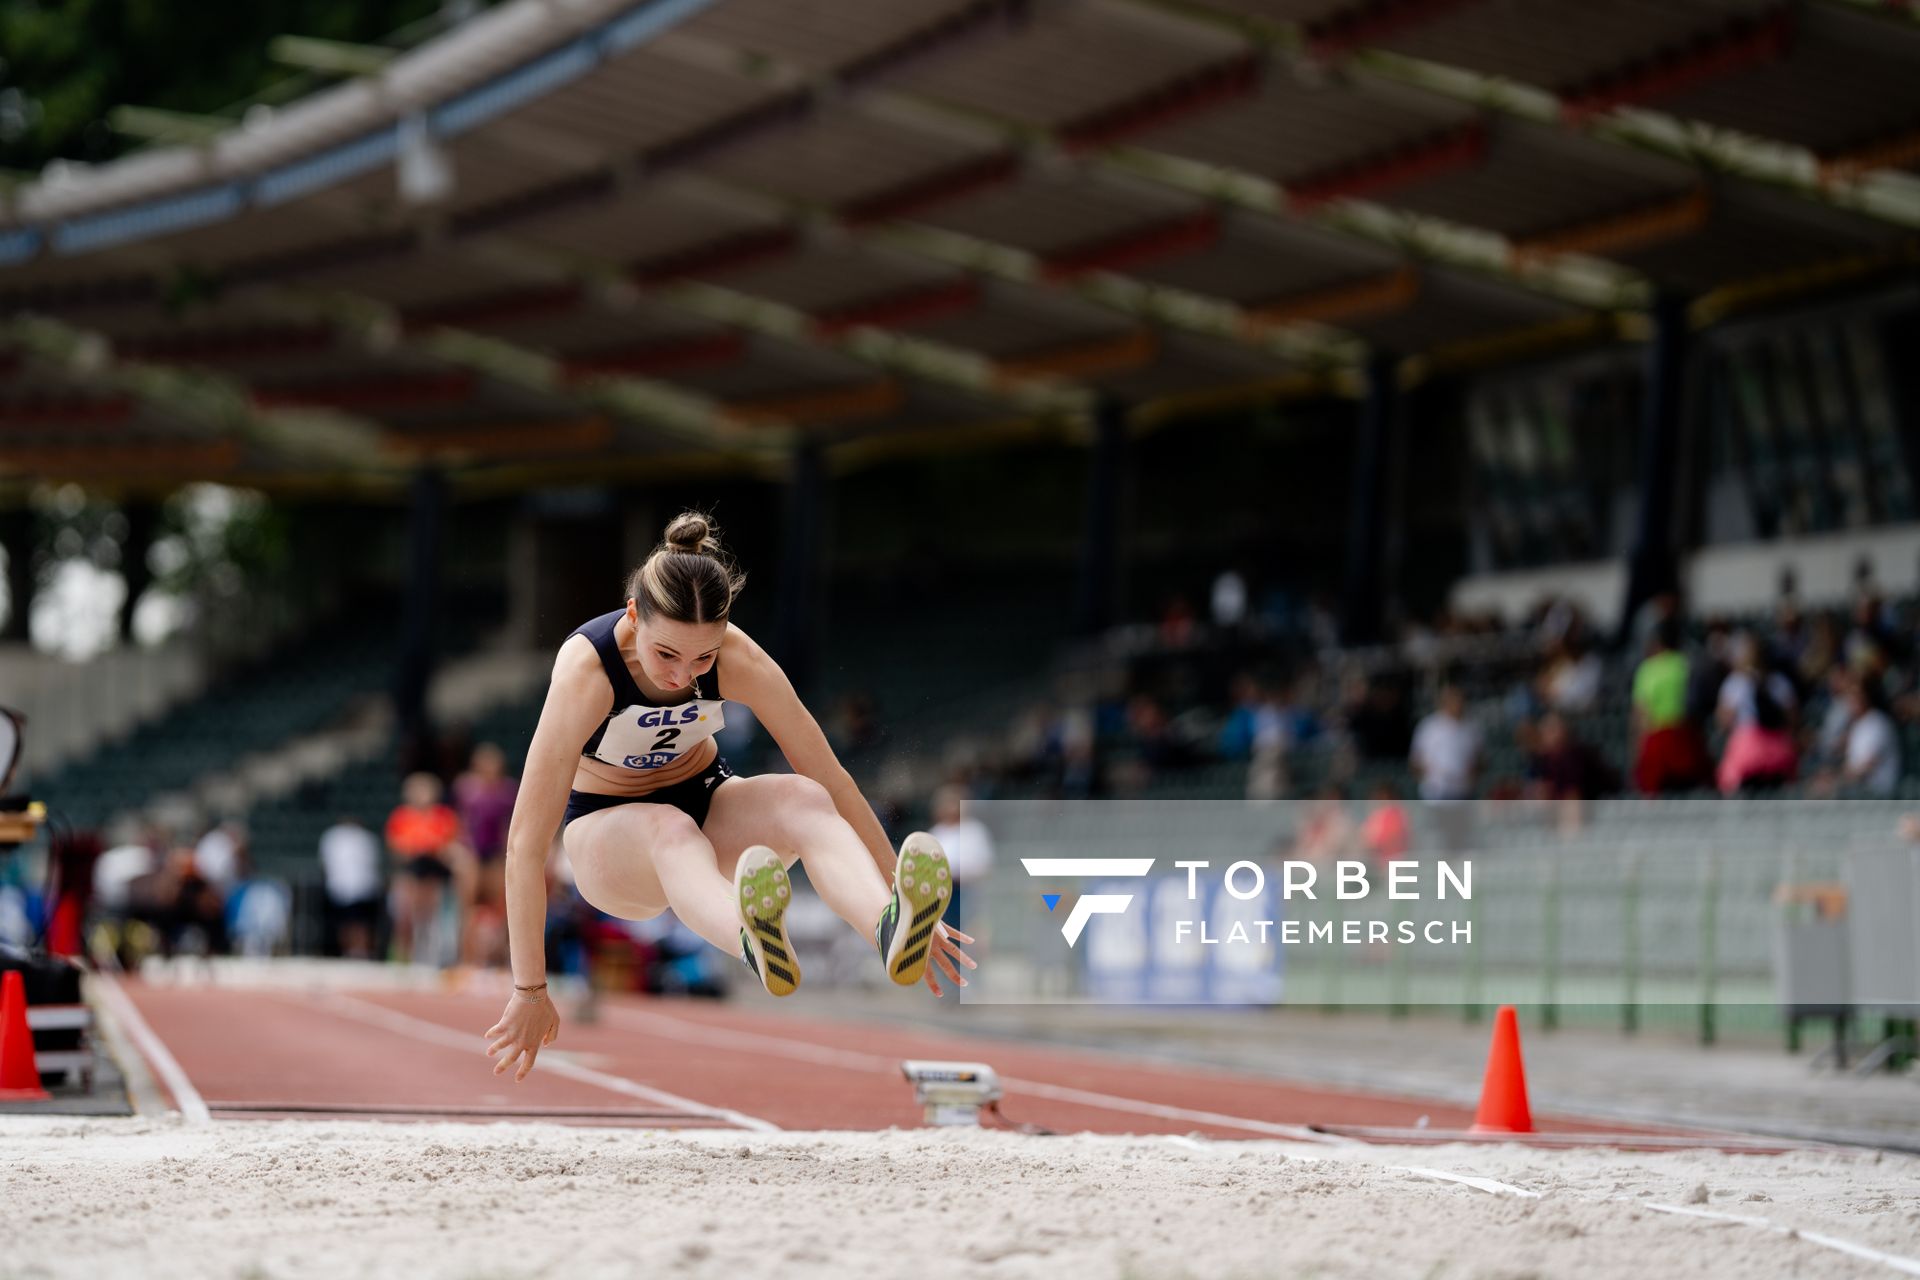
x=691, y=533
x=688, y=578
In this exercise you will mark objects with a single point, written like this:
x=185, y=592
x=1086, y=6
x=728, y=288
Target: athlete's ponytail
x=688, y=577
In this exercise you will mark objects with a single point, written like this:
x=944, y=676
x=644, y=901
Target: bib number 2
x=654, y=737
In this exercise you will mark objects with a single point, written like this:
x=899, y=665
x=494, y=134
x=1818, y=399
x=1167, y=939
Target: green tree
x=64, y=64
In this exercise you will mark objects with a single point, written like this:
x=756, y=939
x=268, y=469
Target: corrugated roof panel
x=415, y=279
x=1187, y=362
x=1009, y=321
x=775, y=368
x=1453, y=307
x=1293, y=128
x=1259, y=260
x=1848, y=79
x=651, y=222
x=1756, y=232
x=841, y=155
x=1558, y=45
x=1070, y=62
x=1301, y=11
x=641, y=101
x=592, y=328
x=1047, y=215
x=820, y=35
x=823, y=278
x=1538, y=179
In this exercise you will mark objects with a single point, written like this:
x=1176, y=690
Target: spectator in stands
x=1872, y=762
x=1229, y=600
x=1177, y=627
x=1295, y=707
x=1821, y=652
x=968, y=843
x=483, y=796
x=422, y=834
x=1154, y=745
x=1446, y=749
x=1670, y=753
x=1562, y=767
x=1829, y=746
x=1242, y=725
x=1870, y=641
x=221, y=856
x=1074, y=742
x=1756, y=708
x=1571, y=679
x=1275, y=725
x=191, y=909
x=350, y=868
x=1386, y=833
x=1326, y=834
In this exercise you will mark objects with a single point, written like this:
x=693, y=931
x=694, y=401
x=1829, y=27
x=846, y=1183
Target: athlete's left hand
x=945, y=952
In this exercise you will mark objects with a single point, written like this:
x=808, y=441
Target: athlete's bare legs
x=794, y=816
x=636, y=860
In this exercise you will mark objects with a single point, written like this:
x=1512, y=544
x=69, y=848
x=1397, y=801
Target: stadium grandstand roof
x=575, y=236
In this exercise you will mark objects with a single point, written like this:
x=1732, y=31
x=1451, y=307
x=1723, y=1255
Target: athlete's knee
x=804, y=795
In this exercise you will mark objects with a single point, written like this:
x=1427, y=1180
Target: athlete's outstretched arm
x=753, y=677
x=578, y=699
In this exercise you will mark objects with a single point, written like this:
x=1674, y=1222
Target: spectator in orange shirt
x=421, y=833
x=1386, y=832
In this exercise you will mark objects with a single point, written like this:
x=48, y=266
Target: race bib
x=654, y=737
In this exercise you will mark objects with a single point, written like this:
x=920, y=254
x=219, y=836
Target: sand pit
x=158, y=1198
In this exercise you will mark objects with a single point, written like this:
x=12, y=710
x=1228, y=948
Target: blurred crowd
x=429, y=888
x=1814, y=701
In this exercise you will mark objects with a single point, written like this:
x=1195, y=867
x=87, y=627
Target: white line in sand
x=1906, y=1266
x=193, y=1109
x=1467, y=1180
x=434, y=1033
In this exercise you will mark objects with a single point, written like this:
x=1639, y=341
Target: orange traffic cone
x=1503, y=1091
x=19, y=1078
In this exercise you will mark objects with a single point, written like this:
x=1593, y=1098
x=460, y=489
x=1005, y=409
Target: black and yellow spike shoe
x=763, y=891
x=921, y=886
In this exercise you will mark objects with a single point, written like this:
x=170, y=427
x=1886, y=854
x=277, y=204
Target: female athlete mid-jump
x=655, y=819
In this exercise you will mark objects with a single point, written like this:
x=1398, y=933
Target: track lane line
x=192, y=1108
x=436, y=1033
x=806, y=1051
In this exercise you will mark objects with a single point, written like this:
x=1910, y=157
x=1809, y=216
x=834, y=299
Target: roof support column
x=1370, y=512
x=16, y=535
x=1897, y=335
x=143, y=519
x=1654, y=567
x=427, y=511
x=801, y=589
x=1101, y=553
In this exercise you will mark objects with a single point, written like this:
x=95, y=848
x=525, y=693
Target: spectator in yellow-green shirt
x=1671, y=754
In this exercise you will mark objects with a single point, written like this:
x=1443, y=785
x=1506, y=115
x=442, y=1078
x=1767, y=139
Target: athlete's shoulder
x=744, y=664
x=576, y=665
x=742, y=647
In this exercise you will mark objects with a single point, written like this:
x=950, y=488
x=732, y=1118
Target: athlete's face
x=674, y=654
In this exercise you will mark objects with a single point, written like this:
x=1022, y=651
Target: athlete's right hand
x=527, y=1025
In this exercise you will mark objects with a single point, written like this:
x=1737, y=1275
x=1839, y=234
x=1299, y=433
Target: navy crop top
x=629, y=702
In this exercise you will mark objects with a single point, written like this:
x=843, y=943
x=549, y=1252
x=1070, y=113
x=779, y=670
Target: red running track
x=252, y=1053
